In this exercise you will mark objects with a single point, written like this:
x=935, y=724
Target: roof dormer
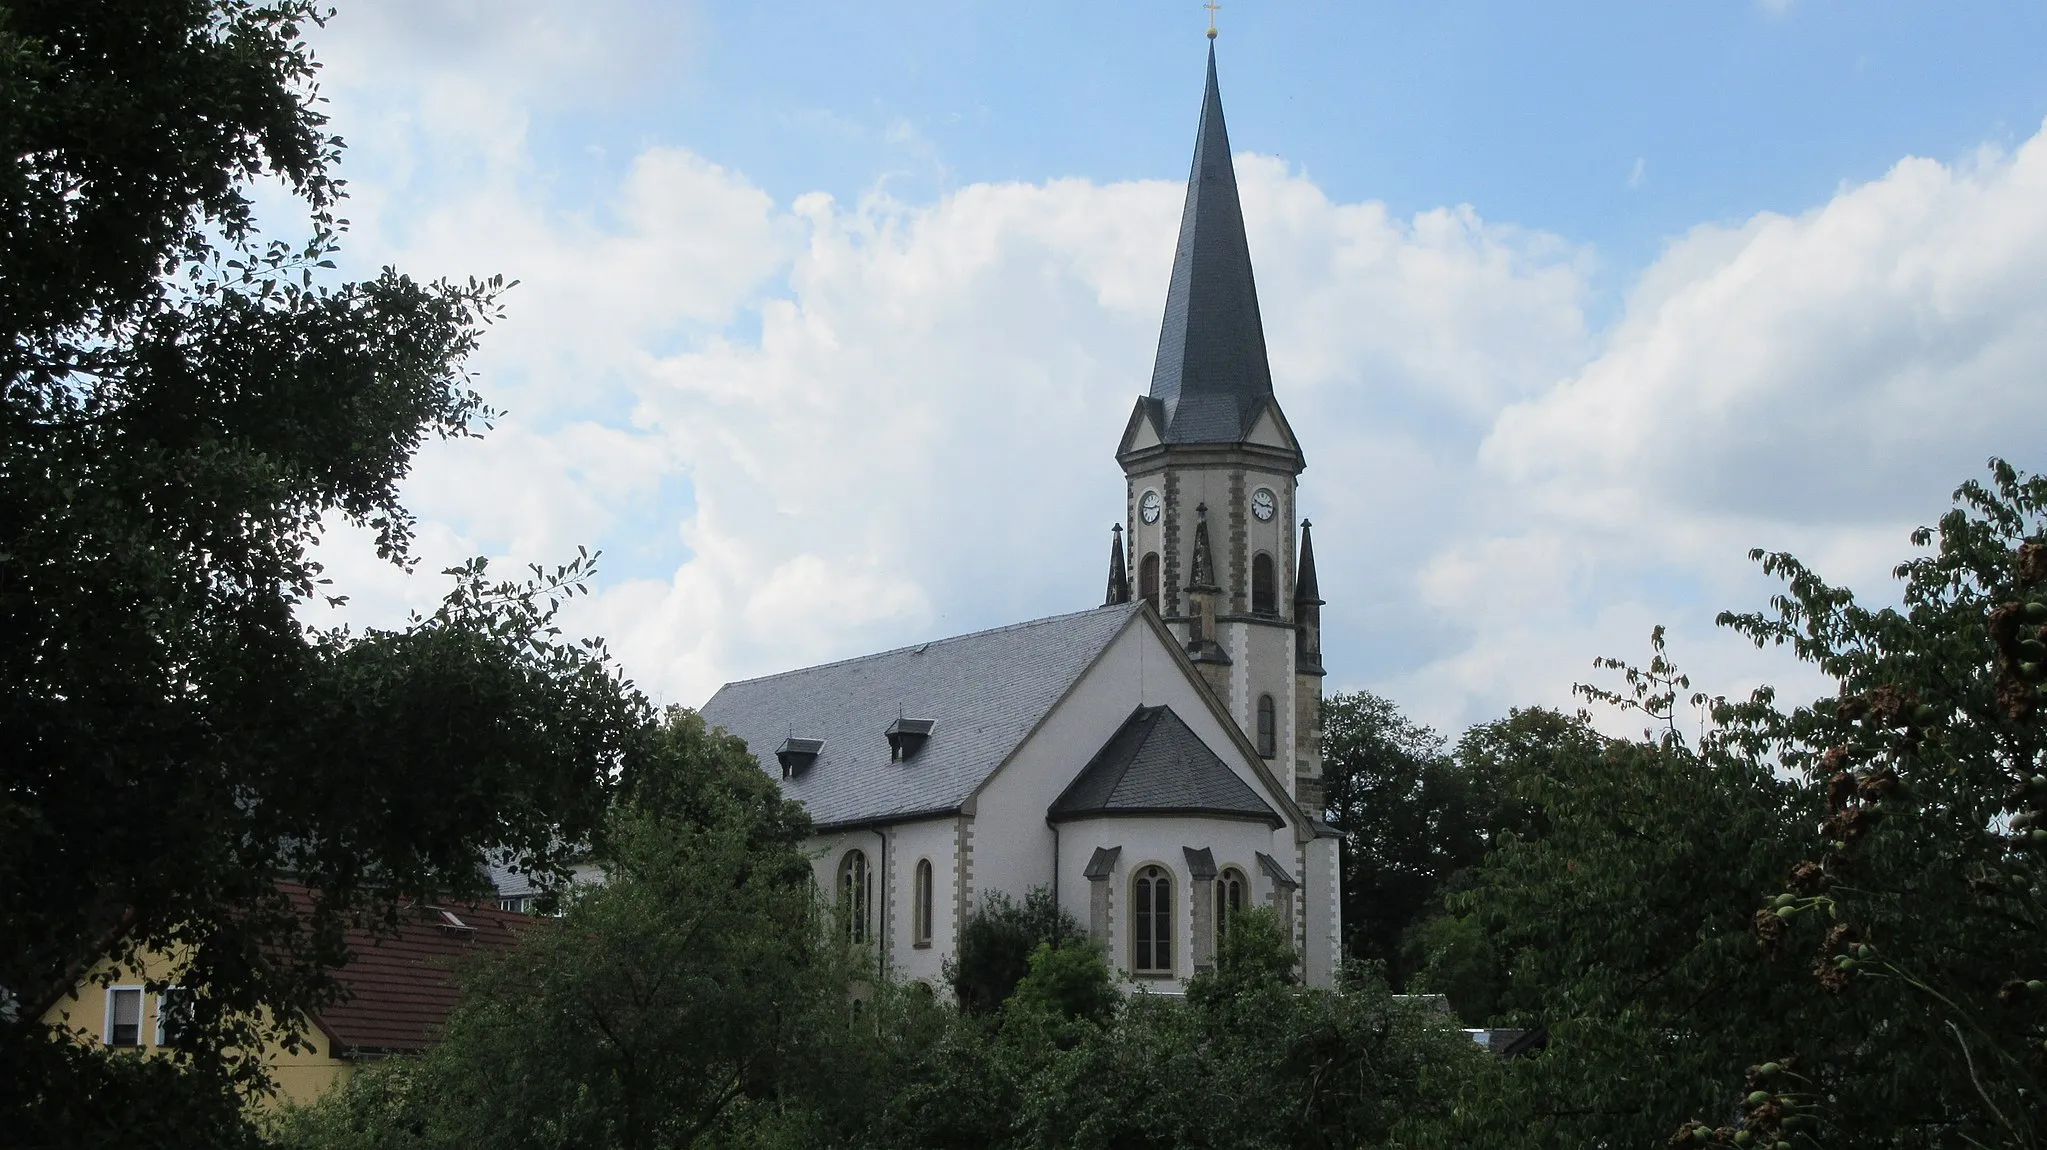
x=796, y=755
x=907, y=736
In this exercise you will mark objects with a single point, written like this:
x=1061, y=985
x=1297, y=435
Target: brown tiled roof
x=401, y=987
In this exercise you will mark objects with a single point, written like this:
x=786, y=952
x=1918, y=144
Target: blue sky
x=1538, y=113
x=830, y=313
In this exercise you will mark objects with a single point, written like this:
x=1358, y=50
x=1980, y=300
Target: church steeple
x=1119, y=575
x=1211, y=473
x=1211, y=376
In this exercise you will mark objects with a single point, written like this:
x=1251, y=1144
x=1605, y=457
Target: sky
x=829, y=315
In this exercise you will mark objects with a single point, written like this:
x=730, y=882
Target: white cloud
x=1815, y=384
x=806, y=430
x=1841, y=367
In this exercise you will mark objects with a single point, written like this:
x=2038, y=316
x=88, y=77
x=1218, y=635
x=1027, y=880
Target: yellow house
x=400, y=988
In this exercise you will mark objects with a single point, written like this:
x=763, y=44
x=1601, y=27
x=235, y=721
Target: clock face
x=1148, y=507
x=1262, y=504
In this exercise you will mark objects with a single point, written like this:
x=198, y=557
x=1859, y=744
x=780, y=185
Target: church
x=1154, y=761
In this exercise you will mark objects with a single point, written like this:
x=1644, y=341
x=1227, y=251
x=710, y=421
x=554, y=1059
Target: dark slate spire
x=1305, y=590
x=1119, y=575
x=1307, y=609
x=1211, y=374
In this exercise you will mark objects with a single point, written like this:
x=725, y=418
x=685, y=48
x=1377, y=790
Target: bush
x=996, y=946
x=1072, y=981
x=1254, y=954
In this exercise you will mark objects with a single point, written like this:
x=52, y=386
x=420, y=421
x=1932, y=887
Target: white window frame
x=107, y=1028
x=163, y=1000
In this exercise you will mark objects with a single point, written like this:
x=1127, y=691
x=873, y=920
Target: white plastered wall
x=1162, y=841
x=1262, y=662
x=1323, y=912
x=910, y=842
x=1013, y=844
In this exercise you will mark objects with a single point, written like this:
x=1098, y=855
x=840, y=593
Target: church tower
x=1212, y=469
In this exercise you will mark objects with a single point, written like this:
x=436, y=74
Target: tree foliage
x=1623, y=931
x=1414, y=814
x=186, y=406
x=1815, y=925
x=1071, y=982
x=997, y=943
x=666, y=1007
x=1910, y=925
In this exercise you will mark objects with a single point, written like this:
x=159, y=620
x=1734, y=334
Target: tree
x=1820, y=925
x=695, y=995
x=1255, y=955
x=1623, y=931
x=1254, y=1061
x=1072, y=982
x=1389, y=785
x=996, y=946
x=1909, y=927
x=1413, y=816
x=186, y=406
x=1504, y=767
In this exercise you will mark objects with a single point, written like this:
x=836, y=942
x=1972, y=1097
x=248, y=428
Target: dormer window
x=906, y=737
x=796, y=755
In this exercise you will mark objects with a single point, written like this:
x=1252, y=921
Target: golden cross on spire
x=1213, y=8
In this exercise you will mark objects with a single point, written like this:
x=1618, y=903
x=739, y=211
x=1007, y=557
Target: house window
x=1231, y=892
x=124, y=1016
x=515, y=903
x=1264, y=600
x=921, y=911
x=1151, y=939
x=853, y=895
x=173, y=1014
x=1268, y=727
x=1148, y=580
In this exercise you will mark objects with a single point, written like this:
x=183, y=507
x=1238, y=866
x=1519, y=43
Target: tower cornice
x=1257, y=455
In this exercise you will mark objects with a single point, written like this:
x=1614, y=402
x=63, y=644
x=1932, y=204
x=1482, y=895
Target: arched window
x=1148, y=580
x=1232, y=894
x=853, y=895
x=1268, y=727
x=1264, y=600
x=920, y=911
x=1151, y=925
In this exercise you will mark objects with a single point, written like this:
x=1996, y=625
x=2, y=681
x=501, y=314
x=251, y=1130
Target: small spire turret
x=1307, y=608
x=1119, y=573
x=1201, y=596
x=1202, y=577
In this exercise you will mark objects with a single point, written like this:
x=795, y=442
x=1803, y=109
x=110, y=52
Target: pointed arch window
x=854, y=895
x=920, y=910
x=1264, y=595
x=1148, y=580
x=1232, y=895
x=1151, y=925
x=1268, y=727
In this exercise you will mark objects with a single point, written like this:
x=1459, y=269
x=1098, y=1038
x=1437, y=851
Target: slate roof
x=1211, y=377
x=983, y=692
x=400, y=988
x=1155, y=765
